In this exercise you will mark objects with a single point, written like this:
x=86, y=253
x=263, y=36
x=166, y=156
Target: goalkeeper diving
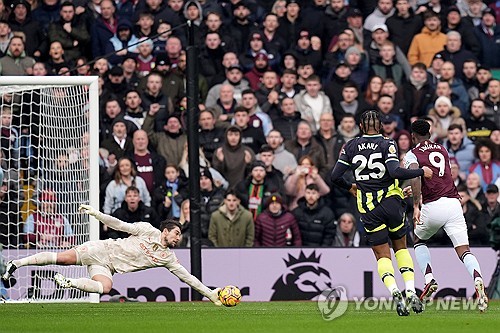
x=146, y=247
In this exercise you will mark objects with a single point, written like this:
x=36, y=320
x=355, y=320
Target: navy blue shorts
x=387, y=220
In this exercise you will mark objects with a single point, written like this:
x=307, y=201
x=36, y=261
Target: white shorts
x=446, y=213
x=94, y=255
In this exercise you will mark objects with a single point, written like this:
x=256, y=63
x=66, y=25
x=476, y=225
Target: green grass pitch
x=203, y=317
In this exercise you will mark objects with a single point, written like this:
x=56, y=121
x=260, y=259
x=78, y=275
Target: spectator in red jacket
x=275, y=226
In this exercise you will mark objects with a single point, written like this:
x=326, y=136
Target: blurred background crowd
x=281, y=87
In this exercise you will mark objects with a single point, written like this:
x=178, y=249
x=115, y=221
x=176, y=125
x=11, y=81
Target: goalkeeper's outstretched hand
x=214, y=297
x=88, y=210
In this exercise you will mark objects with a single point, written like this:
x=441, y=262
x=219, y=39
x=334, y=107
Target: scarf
x=417, y=84
x=175, y=209
x=255, y=199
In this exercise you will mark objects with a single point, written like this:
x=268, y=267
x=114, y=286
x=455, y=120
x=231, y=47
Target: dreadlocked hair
x=370, y=118
x=420, y=127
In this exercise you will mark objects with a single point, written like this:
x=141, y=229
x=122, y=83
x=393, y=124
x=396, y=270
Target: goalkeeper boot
x=429, y=289
x=9, y=270
x=414, y=302
x=401, y=307
x=482, y=299
x=62, y=281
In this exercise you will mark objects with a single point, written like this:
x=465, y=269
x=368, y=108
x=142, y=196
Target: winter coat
x=142, y=214
x=287, y=125
x=236, y=232
x=396, y=71
x=458, y=58
x=350, y=240
x=425, y=45
x=116, y=44
x=166, y=107
x=306, y=111
x=438, y=129
x=253, y=137
x=35, y=38
x=15, y=66
x=233, y=166
x=100, y=36
x=210, y=140
x=114, y=148
x=317, y=225
x=332, y=23
x=403, y=29
x=490, y=46
x=271, y=230
x=46, y=14
x=476, y=221
x=492, y=111
x=417, y=100
x=211, y=61
x=163, y=190
x=78, y=33
x=254, y=77
x=115, y=194
x=168, y=145
x=464, y=154
x=210, y=202
x=270, y=186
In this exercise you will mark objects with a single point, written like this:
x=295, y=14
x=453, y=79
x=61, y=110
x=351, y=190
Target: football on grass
x=230, y=296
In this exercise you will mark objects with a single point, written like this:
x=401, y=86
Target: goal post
x=50, y=156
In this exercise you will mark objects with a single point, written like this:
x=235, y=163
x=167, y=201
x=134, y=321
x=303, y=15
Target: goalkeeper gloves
x=89, y=210
x=214, y=296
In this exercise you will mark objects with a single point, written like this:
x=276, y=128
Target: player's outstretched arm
x=191, y=280
x=108, y=220
x=396, y=172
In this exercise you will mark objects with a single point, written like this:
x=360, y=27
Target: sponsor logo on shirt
x=148, y=253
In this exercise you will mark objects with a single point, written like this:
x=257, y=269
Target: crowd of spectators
x=282, y=85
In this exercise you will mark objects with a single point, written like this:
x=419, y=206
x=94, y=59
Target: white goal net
x=49, y=158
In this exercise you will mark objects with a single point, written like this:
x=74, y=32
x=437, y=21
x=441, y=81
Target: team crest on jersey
x=155, y=247
x=392, y=149
x=163, y=254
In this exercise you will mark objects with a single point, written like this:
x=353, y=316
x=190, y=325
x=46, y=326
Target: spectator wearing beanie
x=275, y=226
x=358, y=62
x=443, y=115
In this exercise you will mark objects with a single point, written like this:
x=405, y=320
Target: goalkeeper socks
x=386, y=273
x=405, y=264
x=39, y=259
x=87, y=285
x=471, y=264
x=424, y=261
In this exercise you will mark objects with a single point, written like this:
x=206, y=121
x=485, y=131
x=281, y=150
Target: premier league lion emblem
x=304, y=279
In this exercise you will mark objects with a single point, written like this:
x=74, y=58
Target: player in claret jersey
x=146, y=247
x=440, y=208
x=374, y=160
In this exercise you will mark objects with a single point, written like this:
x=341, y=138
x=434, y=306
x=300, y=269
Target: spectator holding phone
x=306, y=173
